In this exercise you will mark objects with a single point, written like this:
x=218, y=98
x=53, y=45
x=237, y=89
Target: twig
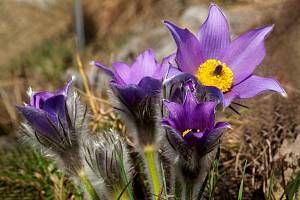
x=86, y=84
x=237, y=161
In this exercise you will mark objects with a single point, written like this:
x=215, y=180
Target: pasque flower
x=107, y=158
x=192, y=125
x=215, y=60
x=46, y=112
x=143, y=78
x=137, y=88
x=54, y=121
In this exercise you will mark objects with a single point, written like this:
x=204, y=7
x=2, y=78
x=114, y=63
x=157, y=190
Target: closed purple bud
x=54, y=121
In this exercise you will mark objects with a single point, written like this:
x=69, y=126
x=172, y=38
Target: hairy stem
x=87, y=185
x=153, y=172
x=120, y=194
x=189, y=187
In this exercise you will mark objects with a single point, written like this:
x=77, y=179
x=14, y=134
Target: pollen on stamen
x=186, y=132
x=215, y=73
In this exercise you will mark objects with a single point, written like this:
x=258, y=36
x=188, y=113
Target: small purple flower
x=192, y=125
x=143, y=78
x=46, y=113
x=54, y=122
x=137, y=89
x=217, y=61
x=193, y=134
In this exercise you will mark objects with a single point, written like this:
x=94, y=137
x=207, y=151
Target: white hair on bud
x=30, y=92
x=102, y=154
x=92, y=62
x=64, y=146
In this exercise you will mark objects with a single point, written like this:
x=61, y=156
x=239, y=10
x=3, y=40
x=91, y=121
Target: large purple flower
x=192, y=125
x=132, y=84
x=217, y=61
x=46, y=113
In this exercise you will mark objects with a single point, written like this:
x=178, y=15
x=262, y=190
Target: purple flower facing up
x=137, y=89
x=192, y=125
x=217, y=61
x=142, y=79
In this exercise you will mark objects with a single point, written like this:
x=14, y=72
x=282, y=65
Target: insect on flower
x=215, y=60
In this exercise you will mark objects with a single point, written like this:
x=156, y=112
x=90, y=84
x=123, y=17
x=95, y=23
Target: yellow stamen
x=215, y=73
x=186, y=132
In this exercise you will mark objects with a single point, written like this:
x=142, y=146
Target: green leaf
x=241, y=190
x=292, y=187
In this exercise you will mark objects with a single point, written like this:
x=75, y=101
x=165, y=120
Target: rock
x=194, y=16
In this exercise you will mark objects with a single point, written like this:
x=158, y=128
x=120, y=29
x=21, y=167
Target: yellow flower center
x=215, y=73
x=186, y=132
x=189, y=130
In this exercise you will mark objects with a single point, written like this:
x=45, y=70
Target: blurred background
x=39, y=41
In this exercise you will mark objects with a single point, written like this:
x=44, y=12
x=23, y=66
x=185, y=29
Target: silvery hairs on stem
x=107, y=163
x=54, y=123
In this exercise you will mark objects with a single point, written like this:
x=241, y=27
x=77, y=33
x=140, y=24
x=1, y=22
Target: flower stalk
x=87, y=185
x=151, y=163
x=189, y=188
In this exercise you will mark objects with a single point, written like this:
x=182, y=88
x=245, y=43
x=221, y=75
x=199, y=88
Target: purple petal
x=167, y=122
x=245, y=53
x=38, y=99
x=38, y=119
x=174, y=109
x=211, y=138
x=203, y=116
x=104, y=68
x=162, y=70
x=194, y=138
x=190, y=103
x=122, y=73
x=56, y=107
x=144, y=65
x=150, y=85
x=214, y=34
x=188, y=56
x=174, y=75
x=130, y=95
x=222, y=125
x=67, y=87
x=210, y=93
x=251, y=87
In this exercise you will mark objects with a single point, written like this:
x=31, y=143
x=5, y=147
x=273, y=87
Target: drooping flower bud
x=108, y=164
x=54, y=121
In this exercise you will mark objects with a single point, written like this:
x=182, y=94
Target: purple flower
x=142, y=79
x=217, y=61
x=192, y=125
x=53, y=122
x=46, y=113
x=137, y=89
